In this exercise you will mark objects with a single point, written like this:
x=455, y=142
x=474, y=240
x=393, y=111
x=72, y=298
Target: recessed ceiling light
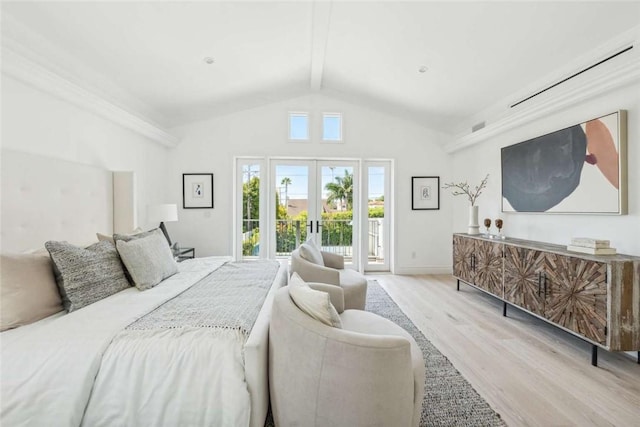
x=423, y=69
x=209, y=60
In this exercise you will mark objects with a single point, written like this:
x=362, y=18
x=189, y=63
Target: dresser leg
x=504, y=309
x=594, y=355
x=458, y=288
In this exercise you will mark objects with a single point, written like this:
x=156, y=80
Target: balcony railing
x=337, y=237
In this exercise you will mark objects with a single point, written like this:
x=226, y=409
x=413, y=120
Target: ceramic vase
x=474, y=227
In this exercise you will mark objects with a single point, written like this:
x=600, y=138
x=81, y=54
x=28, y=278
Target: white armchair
x=333, y=272
x=370, y=372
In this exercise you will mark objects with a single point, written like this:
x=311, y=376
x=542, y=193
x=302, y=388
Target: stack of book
x=591, y=246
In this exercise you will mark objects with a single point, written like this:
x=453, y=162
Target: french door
x=344, y=205
x=318, y=200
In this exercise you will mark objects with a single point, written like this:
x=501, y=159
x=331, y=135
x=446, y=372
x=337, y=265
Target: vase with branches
x=463, y=188
x=472, y=193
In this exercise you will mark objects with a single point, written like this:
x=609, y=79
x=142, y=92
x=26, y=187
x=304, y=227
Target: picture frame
x=197, y=190
x=586, y=162
x=425, y=193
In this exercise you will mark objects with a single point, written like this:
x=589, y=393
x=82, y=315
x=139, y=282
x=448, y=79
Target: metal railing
x=289, y=234
x=337, y=237
x=251, y=237
x=376, y=240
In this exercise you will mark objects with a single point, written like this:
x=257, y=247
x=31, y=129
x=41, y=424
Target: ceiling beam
x=320, y=21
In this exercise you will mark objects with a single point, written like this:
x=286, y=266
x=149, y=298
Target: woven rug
x=449, y=399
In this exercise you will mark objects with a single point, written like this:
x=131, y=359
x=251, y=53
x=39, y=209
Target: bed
x=192, y=350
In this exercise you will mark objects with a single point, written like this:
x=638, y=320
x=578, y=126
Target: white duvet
x=63, y=371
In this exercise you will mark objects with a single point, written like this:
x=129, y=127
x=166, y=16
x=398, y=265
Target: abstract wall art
x=579, y=169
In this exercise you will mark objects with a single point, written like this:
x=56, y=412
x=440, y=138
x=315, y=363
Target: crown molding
x=621, y=76
x=17, y=65
x=593, y=85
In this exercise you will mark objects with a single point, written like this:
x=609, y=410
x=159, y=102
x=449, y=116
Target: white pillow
x=311, y=252
x=316, y=304
x=148, y=259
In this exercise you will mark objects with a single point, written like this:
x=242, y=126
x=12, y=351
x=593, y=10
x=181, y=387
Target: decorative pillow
x=316, y=304
x=86, y=275
x=137, y=235
x=311, y=252
x=102, y=237
x=148, y=259
x=28, y=290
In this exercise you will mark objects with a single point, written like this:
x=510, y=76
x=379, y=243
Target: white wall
x=623, y=231
x=210, y=146
x=39, y=123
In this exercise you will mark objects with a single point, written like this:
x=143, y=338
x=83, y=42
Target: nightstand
x=181, y=254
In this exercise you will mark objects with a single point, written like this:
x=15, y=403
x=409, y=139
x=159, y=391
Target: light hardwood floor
x=530, y=372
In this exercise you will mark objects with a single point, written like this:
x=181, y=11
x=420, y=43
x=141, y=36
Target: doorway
x=345, y=206
x=318, y=200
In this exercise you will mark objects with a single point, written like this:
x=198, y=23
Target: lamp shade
x=162, y=213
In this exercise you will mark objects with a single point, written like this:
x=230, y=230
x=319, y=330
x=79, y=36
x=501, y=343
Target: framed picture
x=425, y=193
x=197, y=190
x=577, y=170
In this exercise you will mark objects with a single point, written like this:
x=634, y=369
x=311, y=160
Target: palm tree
x=341, y=190
x=286, y=181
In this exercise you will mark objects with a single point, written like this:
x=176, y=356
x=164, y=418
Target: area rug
x=449, y=399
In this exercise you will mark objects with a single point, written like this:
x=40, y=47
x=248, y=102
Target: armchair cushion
x=310, y=252
x=316, y=304
x=333, y=260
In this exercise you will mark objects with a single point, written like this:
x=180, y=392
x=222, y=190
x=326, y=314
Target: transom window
x=298, y=126
x=332, y=127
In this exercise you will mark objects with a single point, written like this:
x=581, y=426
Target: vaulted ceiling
x=473, y=53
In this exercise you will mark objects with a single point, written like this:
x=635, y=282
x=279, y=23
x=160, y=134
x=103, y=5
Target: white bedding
x=204, y=384
x=48, y=368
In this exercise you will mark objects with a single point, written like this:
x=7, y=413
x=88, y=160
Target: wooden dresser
x=594, y=297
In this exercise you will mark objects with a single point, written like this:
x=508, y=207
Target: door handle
x=310, y=226
x=318, y=225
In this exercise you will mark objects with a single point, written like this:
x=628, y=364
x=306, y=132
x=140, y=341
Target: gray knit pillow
x=148, y=260
x=130, y=237
x=86, y=275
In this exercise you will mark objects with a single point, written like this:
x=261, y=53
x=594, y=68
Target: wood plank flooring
x=530, y=372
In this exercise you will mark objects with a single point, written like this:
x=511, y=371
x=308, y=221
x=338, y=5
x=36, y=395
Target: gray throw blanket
x=230, y=298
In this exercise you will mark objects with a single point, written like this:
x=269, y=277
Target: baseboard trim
x=411, y=271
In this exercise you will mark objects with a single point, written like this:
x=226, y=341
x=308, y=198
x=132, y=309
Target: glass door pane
x=338, y=195
x=293, y=204
x=376, y=226
x=250, y=210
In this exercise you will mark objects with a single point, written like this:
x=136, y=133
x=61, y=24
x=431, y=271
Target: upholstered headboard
x=50, y=199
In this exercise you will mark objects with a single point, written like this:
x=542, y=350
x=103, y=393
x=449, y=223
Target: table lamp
x=162, y=213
